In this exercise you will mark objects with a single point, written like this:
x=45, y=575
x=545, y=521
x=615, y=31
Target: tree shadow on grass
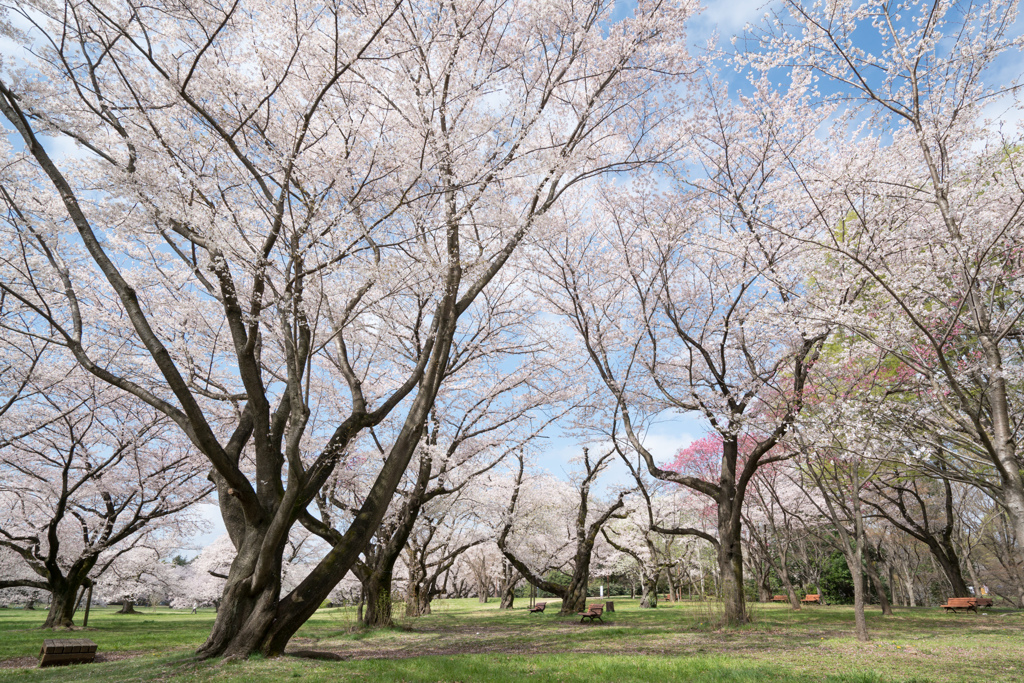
x=589, y=668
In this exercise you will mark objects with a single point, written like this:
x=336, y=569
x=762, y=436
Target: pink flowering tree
x=286, y=214
x=922, y=216
x=88, y=475
x=686, y=300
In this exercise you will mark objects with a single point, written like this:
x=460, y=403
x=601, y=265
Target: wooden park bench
x=779, y=598
x=593, y=612
x=953, y=604
x=810, y=598
x=983, y=602
x=539, y=607
x=65, y=651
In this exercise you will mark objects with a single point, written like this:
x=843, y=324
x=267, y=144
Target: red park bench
x=966, y=604
x=812, y=598
x=779, y=598
x=593, y=612
x=539, y=607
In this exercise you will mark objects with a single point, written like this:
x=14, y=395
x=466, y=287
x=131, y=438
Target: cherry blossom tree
x=775, y=509
x=98, y=475
x=487, y=408
x=583, y=529
x=658, y=525
x=839, y=454
x=138, y=575
x=201, y=581
x=447, y=529
x=254, y=283
x=921, y=215
x=923, y=508
x=684, y=300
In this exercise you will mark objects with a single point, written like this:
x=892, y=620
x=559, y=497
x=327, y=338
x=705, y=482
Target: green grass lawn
x=464, y=640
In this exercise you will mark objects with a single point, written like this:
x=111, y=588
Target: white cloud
x=726, y=18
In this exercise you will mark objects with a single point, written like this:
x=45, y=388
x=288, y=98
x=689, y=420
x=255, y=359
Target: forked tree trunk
x=64, y=591
x=417, y=600
x=245, y=612
x=509, y=579
x=575, y=598
x=508, y=597
x=412, y=596
x=255, y=618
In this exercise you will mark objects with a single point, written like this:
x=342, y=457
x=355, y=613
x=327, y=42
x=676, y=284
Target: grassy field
x=466, y=641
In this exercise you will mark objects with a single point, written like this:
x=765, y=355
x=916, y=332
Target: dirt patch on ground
x=567, y=638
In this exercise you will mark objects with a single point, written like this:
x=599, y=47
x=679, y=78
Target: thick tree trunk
x=575, y=598
x=510, y=578
x=417, y=598
x=253, y=616
x=378, y=600
x=31, y=604
x=412, y=598
x=730, y=564
x=508, y=597
x=127, y=607
x=246, y=612
x=730, y=552
x=424, y=604
x=649, y=597
x=64, y=592
x=62, y=607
